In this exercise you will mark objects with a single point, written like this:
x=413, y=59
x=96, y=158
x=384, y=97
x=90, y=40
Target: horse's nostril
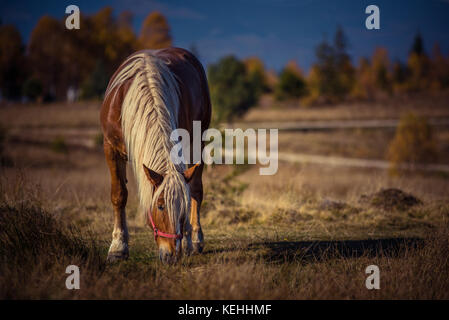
x=167, y=257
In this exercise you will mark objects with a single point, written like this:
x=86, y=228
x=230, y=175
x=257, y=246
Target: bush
x=59, y=145
x=32, y=89
x=35, y=249
x=231, y=88
x=98, y=139
x=290, y=85
x=95, y=85
x=413, y=143
x=333, y=74
x=5, y=161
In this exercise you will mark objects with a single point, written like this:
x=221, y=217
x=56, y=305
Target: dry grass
x=425, y=105
x=304, y=233
x=79, y=115
x=242, y=261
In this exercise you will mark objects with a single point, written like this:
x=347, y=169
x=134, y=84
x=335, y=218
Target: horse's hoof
x=187, y=245
x=198, y=247
x=198, y=241
x=116, y=257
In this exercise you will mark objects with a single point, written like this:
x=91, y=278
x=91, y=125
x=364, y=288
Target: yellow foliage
x=373, y=77
x=413, y=144
x=313, y=87
x=293, y=66
x=254, y=64
x=155, y=32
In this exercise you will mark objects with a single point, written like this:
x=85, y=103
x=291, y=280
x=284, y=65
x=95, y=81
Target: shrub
x=231, y=88
x=333, y=73
x=413, y=143
x=32, y=89
x=95, y=84
x=98, y=140
x=290, y=85
x=5, y=161
x=59, y=145
x=35, y=249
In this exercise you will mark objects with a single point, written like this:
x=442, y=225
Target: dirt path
x=86, y=138
x=352, y=162
x=330, y=124
x=347, y=162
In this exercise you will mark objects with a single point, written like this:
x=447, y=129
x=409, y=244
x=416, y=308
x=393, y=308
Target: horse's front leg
x=196, y=192
x=197, y=232
x=119, y=195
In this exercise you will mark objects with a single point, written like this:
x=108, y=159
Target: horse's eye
x=161, y=207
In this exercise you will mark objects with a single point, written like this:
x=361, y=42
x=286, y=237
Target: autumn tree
x=373, y=78
x=333, y=73
x=45, y=55
x=381, y=69
x=439, y=69
x=111, y=41
x=94, y=86
x=326, y=72
x=345, y=70
x=232, y=92
x=256, y=73
x=12, y=62
x=419, y=66
x=291, y=82
x=155, y=32
x=313, y=83
x=63, y=59
x=399, y=77
x=364, y=86
x=272, y=79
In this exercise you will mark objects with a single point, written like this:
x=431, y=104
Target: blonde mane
x=149, y=115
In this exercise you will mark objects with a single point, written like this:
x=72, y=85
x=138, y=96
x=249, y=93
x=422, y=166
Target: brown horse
x=151, y=94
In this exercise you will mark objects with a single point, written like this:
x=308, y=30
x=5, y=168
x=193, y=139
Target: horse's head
x=169, y=211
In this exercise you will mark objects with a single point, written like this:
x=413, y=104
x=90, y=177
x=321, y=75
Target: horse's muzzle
x=167, y=257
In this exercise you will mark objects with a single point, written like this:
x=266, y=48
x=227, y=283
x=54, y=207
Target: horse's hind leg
x=119, y=195
x=196, y=196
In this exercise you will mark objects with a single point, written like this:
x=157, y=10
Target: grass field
x=307, y=232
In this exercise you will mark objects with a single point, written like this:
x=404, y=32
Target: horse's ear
x=188, y=173
x=154, y=177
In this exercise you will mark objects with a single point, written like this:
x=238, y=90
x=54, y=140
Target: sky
x=274, y=30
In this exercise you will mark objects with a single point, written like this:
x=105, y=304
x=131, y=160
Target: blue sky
x=275, y=30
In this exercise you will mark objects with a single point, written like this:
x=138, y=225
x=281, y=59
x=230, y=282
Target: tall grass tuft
x=35, y=249
x=413, y=144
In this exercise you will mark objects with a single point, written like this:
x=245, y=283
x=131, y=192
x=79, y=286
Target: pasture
x=307, y=232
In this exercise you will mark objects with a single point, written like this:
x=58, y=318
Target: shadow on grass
x=312, y=251
x=321, y=250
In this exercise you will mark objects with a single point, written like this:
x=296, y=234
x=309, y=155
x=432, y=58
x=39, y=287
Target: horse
x=152, y=93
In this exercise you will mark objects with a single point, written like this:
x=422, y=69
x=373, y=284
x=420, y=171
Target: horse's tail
x=149, y=114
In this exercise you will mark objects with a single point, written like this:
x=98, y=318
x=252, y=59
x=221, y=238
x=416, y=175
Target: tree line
x=57, y=60
x=332, y=78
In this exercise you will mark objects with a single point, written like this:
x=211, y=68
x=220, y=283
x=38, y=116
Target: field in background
x=307, y=232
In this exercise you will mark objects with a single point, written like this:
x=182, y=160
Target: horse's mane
x=149, y=115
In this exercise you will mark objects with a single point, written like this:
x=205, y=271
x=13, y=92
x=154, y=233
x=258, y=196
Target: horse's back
x=193, y=95
x=192, y=81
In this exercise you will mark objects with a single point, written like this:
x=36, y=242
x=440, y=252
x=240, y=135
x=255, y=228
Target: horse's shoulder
x=110, y=116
